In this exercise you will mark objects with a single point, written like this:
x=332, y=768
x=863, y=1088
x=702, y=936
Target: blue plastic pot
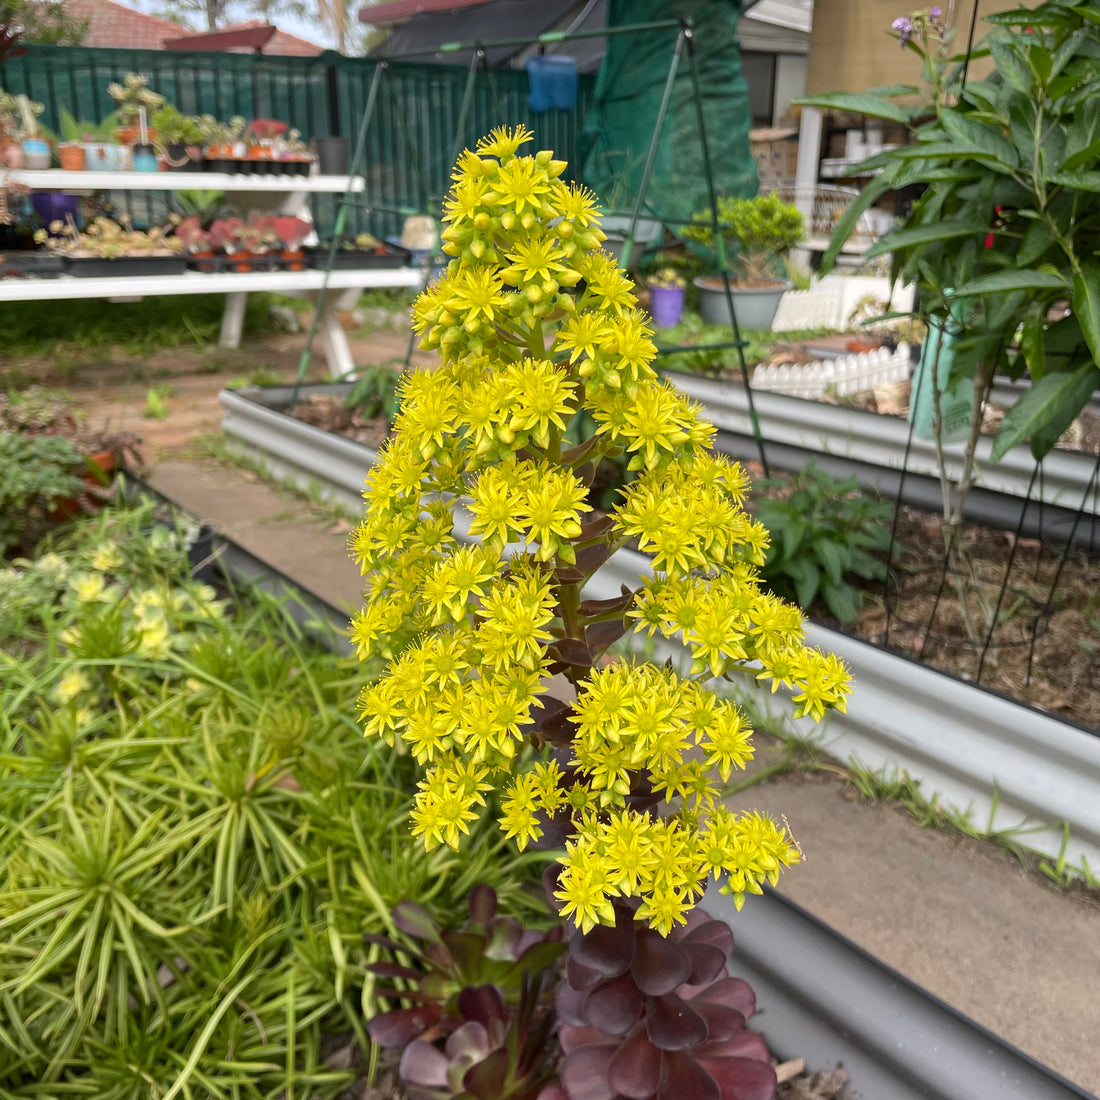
x=53, y=206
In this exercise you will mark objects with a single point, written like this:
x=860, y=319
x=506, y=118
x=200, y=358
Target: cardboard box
x=775, y=152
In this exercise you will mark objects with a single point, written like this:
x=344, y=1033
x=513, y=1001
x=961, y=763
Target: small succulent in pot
x=481, y=1020
x=667, y=278
x=192, y=234
x=292, y=232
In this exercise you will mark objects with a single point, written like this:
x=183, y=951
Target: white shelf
x=55, y=179
x=195, y=282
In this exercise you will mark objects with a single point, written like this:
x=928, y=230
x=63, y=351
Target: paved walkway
x=960, y=918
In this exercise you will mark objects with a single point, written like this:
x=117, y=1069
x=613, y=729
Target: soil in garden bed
x=1045, y=649
x=328, y=413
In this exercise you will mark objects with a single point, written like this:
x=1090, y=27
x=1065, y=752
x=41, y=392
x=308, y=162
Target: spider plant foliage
x=192, y=841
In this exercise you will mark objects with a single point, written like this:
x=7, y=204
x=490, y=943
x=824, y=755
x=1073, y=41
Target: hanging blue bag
x=553, y=81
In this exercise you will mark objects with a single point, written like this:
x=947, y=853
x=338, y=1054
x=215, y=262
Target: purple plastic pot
x=666, y=303
x=54, y=206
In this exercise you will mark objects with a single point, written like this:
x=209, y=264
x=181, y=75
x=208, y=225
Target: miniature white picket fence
x=839, y=377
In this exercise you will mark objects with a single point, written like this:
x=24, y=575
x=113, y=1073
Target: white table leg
x=233, y=319
x=335, y=340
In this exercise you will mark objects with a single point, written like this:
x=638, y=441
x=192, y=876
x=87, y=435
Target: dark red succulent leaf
x=683, y=1078
x=573, y=652
x=505, y=935
x=745, y=1044
x=659, y=965
x=734, y=992
x=590, y=608
x=602, y=635
x=715, y=932
x=482, y=1003
x=596, y=528
x=741, y=1078
x=485, y=1080
x=707, y=962
x=471, y=1040
x=722, y=1021
x=635, y=1068
x=550, y=883
x=483, y=903
x=394, y=970
x=402, y=1025
x=423, y=1065
x=581, y=450
x=568, y=1002
x=391, y=945
x=614, y=1005
x=581, y=977
x=467, y=949
x=530, y=936
x=571, y=1037
x=672, y=1024
x=583, y=1072
x=570, y=574
x=552, y=1091
x=590, y=558
x=539, y=956
x=414, y=920
x=606, y=949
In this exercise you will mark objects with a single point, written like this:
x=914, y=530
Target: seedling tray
x=30, y=265
x=349, y=259
x=95, y=267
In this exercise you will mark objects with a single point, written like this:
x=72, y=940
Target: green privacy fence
x=413, y=130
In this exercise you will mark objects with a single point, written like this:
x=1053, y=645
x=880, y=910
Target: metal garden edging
x=1006, y=762
x=845, y=441
x=821, y=996
x=308, y=456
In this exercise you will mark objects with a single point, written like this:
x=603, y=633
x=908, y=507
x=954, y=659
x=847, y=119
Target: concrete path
x=962, y=919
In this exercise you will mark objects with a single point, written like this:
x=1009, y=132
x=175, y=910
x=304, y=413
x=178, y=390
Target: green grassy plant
x=137, y=328
x=193, y=835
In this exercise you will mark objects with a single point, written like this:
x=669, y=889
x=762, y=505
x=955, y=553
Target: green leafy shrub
x=757, y=233
x=375, y=393
x=36, y=471
x=824, y=533
x=193, y=837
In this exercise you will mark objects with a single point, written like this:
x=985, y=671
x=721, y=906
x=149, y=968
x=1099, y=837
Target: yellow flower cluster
x=478, y=540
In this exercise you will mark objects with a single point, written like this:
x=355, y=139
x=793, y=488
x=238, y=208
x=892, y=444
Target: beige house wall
x=851, y=50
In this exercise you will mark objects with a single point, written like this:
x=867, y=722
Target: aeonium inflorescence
x=478, y=541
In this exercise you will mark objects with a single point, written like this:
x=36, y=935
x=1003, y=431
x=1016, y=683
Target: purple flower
x=904, y=26
x=936, y=12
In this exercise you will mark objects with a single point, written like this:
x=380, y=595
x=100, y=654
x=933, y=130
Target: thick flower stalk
x=478, y=541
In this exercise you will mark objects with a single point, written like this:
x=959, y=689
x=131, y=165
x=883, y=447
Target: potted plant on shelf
x=180, y=139
x=131, y=97
x=106, y=248
x=71, y=152
x=11, y=148
x=36, y=153
x=225, y=233
x=363, y=250
x=757, y=235
x=666, y=296
x=197, y=244
x=257, y=237
x=291, y=233
x=294, y=156
x=260, y=138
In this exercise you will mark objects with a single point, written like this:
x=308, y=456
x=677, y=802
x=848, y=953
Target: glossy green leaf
x=921, y=234
x=1089, y=155
x=831, y=558
x=1037, y=240
x=849, y=219
x=1080, y=181
x=1011, y=65
x=971, y=133
x=841, y=599
x=1013, y=280
x=860, y=103
x=1049, y=406
x=1086, y=304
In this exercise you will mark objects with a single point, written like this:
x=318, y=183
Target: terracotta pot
x=98, y=472
x=127, y=135
x=862, y=343
x=11, y=153
x=240, y=261
x=73, y=156
x=204, y=261
x=294, y=259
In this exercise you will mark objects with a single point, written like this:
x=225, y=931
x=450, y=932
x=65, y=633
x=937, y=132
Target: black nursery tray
x=349, y=259
x=30, y=265
x=95, y=267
